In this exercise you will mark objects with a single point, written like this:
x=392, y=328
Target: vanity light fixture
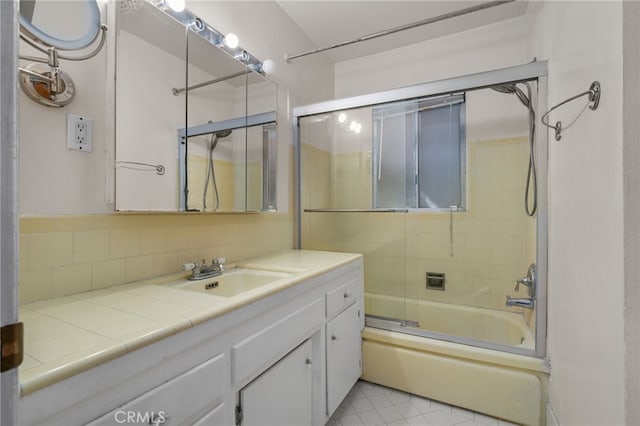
x=231, y=41
x=242, y=56
x=175, y=5
x=268, y=66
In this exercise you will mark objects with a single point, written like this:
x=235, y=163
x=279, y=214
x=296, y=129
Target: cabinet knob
x=334, y=337
x=308, y=361
x=346, y=295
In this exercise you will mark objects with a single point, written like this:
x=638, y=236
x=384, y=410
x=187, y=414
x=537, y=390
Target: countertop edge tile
x=62, y=368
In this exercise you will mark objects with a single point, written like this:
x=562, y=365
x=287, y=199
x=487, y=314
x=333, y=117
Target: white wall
x=56, y=181
x=482, y=49
x=586, y=283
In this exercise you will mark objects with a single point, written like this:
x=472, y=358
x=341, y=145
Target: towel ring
x=593, y=95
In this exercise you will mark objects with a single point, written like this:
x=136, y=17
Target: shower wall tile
x=493, y=242
x=57, y=258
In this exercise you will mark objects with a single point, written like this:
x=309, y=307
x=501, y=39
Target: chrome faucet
x=530, y=282
x=523, y=302
x=202, y=271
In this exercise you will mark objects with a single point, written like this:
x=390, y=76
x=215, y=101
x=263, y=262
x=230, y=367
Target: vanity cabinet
x=282, y=395
x=177, y=401
x=344, y=354
x=288, y=358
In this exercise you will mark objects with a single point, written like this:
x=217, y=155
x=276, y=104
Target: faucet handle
x=524, y=281
x=190, y=266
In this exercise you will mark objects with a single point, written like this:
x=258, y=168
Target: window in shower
x=419, y=153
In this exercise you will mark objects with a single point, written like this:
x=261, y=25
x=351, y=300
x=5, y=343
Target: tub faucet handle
x=524, y=281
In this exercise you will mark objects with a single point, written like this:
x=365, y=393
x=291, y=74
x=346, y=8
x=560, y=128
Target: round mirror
x=67, y=25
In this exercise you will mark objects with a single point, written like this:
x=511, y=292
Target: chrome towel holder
x=594, y=97
x=159, y=168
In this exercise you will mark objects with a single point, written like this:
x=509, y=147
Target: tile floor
x=370, y=404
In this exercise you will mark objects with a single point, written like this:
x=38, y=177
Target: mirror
x=195, y=128
x=53, y=28
x=68, y=25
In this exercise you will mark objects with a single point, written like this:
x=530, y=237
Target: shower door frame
x=531, y=71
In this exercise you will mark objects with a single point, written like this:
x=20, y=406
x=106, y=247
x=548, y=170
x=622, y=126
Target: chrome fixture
x=228, y=43
x=202, y=271
x=159, y=168
x=532, y=179
x=530, y=282
x=593, y=96
x=394, y=30
x=177, y=91
x=48, y=84
x=211, y=171
x=522, y=302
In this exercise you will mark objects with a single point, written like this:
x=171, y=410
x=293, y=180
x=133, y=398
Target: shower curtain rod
x=405, y=27
x=177, y=91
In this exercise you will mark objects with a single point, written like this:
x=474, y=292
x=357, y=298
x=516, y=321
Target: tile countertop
x=68, y=335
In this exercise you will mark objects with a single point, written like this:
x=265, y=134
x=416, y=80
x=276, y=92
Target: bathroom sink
x=231, y=283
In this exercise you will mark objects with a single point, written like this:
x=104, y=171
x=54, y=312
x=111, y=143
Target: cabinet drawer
x=265, y=347
x=176, y=400
x=215, y=417
x=341, y=297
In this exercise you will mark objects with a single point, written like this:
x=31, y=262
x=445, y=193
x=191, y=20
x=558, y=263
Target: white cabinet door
x=344, y=354
x=281, y=396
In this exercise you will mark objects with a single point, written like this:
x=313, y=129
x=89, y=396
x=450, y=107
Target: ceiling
x=332, y=21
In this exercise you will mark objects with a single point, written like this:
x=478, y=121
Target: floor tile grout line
x=366, y=390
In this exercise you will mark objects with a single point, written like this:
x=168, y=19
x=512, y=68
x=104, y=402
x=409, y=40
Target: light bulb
x=231, y=41
x=268, y=66
x=353, y=126
x=175, y=5
x=342, y=117
x=358, y=128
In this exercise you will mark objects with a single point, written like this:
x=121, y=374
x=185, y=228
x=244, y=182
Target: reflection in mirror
x=231, y=124
x=193, y=115
x=150, y=62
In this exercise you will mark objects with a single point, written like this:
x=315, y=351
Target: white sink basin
x=231, y=283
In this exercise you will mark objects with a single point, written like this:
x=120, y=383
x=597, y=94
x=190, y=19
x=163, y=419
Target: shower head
x=505, y=88
x=213, y=142
x=512, y=88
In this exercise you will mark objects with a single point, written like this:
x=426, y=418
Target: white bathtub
x=500, y=384
x=499, y=327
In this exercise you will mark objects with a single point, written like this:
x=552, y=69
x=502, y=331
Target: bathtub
x=500, y=384
x=467, y=322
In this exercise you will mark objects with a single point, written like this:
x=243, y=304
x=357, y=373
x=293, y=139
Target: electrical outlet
x=79, y=133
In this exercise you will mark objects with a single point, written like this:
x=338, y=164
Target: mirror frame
x=32, y=31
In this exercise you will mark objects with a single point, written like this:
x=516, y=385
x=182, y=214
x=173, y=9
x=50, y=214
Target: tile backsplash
x=63, y=255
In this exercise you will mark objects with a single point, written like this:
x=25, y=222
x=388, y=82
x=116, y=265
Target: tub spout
x=524, y=302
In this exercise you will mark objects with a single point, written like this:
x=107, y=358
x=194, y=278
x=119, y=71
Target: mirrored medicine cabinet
x=195, y=127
